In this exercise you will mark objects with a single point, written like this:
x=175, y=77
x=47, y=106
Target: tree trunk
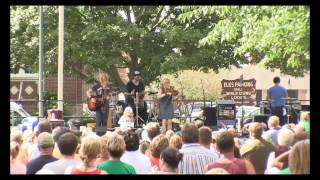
x=118, y=82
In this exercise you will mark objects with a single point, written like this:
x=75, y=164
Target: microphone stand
x=137, y=109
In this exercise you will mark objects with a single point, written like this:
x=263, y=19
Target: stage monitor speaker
x=210, y=114
x=305, y=107
x=57, y=123
x=100, y=130
x=261, y=118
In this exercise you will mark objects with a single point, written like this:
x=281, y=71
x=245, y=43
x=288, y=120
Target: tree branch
x=157, y=24
x=158, y=17
x=128, y=14
x=138, y=17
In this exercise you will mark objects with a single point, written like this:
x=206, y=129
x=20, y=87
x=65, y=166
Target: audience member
x=272, y=134
x=195, y=157
x=217, y=171
x=169, y=160
x=67, y=145
x=43, y=126
x=17, y=137
x=237, y=143
x=199, y=123
x=225, y=145
x=116, y=147
x=285, y=139
x=104, y=154
x=89, y=150
x=299, y=159
x=45, y=145
x=175, y=141
x=144, y=146
x=157, y=145
x=205, y=137
x=56, y=133
x=169, y=134
x=16, y=167
x=305, y=121
x=28, y=141
x=257, y=150
x=152, y=130
x=132, y=156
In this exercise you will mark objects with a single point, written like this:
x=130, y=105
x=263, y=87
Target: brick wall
x=72, y=88
x=72, y=92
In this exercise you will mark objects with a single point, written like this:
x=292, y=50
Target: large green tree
x=146, y=38
x=96, y=38
x=277, y=36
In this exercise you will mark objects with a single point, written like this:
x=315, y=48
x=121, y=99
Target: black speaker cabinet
x=305, y=107
x=210, y=114
x=100, y=130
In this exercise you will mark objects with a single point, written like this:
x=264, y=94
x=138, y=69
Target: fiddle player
x=100, y=94
x=166, y=107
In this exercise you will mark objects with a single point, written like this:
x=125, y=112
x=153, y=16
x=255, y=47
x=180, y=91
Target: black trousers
x=142, y=112
x=278, y=111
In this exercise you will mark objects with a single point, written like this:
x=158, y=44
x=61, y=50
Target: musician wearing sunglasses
x=99, y=97
x=134, y=97
x=165, y=95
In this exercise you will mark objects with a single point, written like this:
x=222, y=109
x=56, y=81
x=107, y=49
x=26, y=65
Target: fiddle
x=170, y=91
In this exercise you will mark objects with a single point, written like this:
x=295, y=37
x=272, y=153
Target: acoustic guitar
x=92, y=105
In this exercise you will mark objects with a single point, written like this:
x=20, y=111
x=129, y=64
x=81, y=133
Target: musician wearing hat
x=134, y=97
x=99, y=97
x=276, y=96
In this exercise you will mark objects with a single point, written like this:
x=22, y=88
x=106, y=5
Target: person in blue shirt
x=276, y=96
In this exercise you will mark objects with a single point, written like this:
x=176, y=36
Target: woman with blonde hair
x=126, y=121
x=89, y=150
x=104, y=155
x=16, y=167
x=175, y=141
x=299, y=159
x=99, y=97
x=165, y=95
x=17, y=136
x=305, y=121
x=157, y=145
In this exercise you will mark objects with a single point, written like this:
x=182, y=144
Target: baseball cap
x=128, y=109
x=136, y=73
x=45, y=140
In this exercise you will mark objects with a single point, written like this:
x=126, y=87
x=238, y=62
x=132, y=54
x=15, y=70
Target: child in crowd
x=126, y=121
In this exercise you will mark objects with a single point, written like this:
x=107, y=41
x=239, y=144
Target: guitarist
x=100, y=94
x=136, y=86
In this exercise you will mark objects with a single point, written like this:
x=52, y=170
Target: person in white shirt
x=127, y=120
x=195, y=157
x=133, y=156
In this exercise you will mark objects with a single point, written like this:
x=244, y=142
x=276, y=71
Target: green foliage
x=161, y=39
x=278, y=36
x=104, y=37
x=50, y=102
x=88, y=118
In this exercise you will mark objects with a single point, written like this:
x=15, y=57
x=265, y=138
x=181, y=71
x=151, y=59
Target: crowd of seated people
x=196, y=149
